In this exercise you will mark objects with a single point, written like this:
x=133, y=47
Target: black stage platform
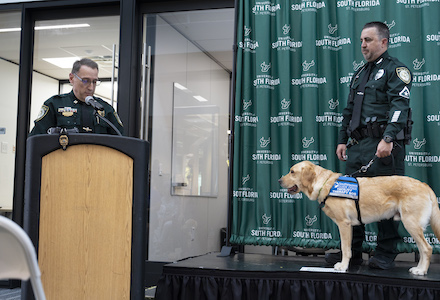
x=260, y=277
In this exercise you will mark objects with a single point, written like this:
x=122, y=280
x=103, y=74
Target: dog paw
x=340, y=267
x=417, y=271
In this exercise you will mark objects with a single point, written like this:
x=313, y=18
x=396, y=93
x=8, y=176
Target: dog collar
x=322, y=188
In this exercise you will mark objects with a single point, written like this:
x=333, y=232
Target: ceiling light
x=62, y=62
x=66, y=26
x=9, y=29
x=200, y=98
x=179, y=86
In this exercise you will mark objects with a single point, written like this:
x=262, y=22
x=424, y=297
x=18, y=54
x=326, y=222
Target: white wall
x=43, y=88
x=8, y=120
x=184, y=226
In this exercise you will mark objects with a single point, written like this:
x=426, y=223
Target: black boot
x=387, y=238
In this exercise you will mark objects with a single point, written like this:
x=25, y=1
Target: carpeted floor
x=10, y=294
x=15, y=294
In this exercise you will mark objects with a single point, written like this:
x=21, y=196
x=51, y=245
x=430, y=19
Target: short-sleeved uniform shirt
x=66, y=111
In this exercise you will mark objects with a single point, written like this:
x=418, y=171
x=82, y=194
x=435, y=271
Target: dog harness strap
x=322, y=204
x=358, y=211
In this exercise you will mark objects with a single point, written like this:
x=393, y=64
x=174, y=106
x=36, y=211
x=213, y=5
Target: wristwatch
x=387, y=139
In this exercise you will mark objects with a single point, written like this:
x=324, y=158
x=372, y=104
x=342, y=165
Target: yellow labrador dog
x=381, y=197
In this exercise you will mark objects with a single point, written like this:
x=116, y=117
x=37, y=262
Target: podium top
x=40, y=145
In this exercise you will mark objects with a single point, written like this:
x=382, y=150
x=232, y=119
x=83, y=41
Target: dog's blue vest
x=345, y=187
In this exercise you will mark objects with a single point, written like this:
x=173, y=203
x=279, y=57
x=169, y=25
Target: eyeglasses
x=88, y=81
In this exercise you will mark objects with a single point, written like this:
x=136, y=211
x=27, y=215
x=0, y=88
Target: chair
x=18, y=259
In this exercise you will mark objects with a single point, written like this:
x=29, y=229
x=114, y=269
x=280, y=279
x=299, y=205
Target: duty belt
x=359, y=133
x=373, y=130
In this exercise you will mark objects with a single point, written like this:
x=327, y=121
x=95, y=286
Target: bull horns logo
x=307, y=66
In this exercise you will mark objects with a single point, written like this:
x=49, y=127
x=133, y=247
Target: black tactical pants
x=359, y=155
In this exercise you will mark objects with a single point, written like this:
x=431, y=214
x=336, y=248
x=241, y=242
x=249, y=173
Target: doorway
x=59, y=43
x=191, y=66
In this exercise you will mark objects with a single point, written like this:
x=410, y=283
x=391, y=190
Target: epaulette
x=396, y=61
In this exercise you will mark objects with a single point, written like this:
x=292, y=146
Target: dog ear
x=307, y=176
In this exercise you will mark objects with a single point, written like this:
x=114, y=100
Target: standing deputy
x=70, y=110
x=375, y=122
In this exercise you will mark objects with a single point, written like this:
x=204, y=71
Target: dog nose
x=279, y=180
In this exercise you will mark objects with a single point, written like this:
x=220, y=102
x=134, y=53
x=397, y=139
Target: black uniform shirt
x=66, y=111
x=386, y=97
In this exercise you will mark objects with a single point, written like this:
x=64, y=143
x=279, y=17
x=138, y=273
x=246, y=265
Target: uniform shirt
x=386, y=96
x=66, y=111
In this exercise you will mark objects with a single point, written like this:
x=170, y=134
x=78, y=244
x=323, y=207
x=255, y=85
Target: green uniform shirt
x=66, y=111
x=386, y=96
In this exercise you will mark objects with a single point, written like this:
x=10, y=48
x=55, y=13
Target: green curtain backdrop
x=295, y=60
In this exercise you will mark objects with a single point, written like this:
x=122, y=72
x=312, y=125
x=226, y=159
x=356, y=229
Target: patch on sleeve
x=396, y=116
x=117, y=118
x=42, y=113
x=345, y=187
x=405, y=93
x=404, y=74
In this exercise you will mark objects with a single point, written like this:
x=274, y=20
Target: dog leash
x=364, y=169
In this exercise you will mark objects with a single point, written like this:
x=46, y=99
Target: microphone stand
x=108, y=122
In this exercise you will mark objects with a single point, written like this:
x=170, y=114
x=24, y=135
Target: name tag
x=345, y=187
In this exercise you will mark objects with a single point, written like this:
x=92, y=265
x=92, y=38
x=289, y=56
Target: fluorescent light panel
x=66, y=26
x=62, y=62
x=9, y=29
x=200, y=98
x=179, y=86
x=49, y=27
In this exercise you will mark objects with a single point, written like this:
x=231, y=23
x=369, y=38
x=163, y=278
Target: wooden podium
x=85, y=211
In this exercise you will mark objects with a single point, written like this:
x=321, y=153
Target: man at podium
x=78, y=110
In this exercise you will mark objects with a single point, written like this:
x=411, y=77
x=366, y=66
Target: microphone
x=98, y=106
x=93, y=103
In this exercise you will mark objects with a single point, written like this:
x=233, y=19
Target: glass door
x=188, y=117
x=59, y=43
x=10, y=23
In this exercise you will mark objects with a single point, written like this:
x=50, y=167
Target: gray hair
x=84, y=62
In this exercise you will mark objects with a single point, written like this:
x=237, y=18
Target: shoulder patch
x=404, y=74
x=42, y=113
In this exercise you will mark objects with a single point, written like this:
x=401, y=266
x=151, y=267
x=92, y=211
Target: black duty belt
x=360, y=133
x=373, y=130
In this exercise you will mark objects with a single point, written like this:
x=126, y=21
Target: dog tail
x=435, y=215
